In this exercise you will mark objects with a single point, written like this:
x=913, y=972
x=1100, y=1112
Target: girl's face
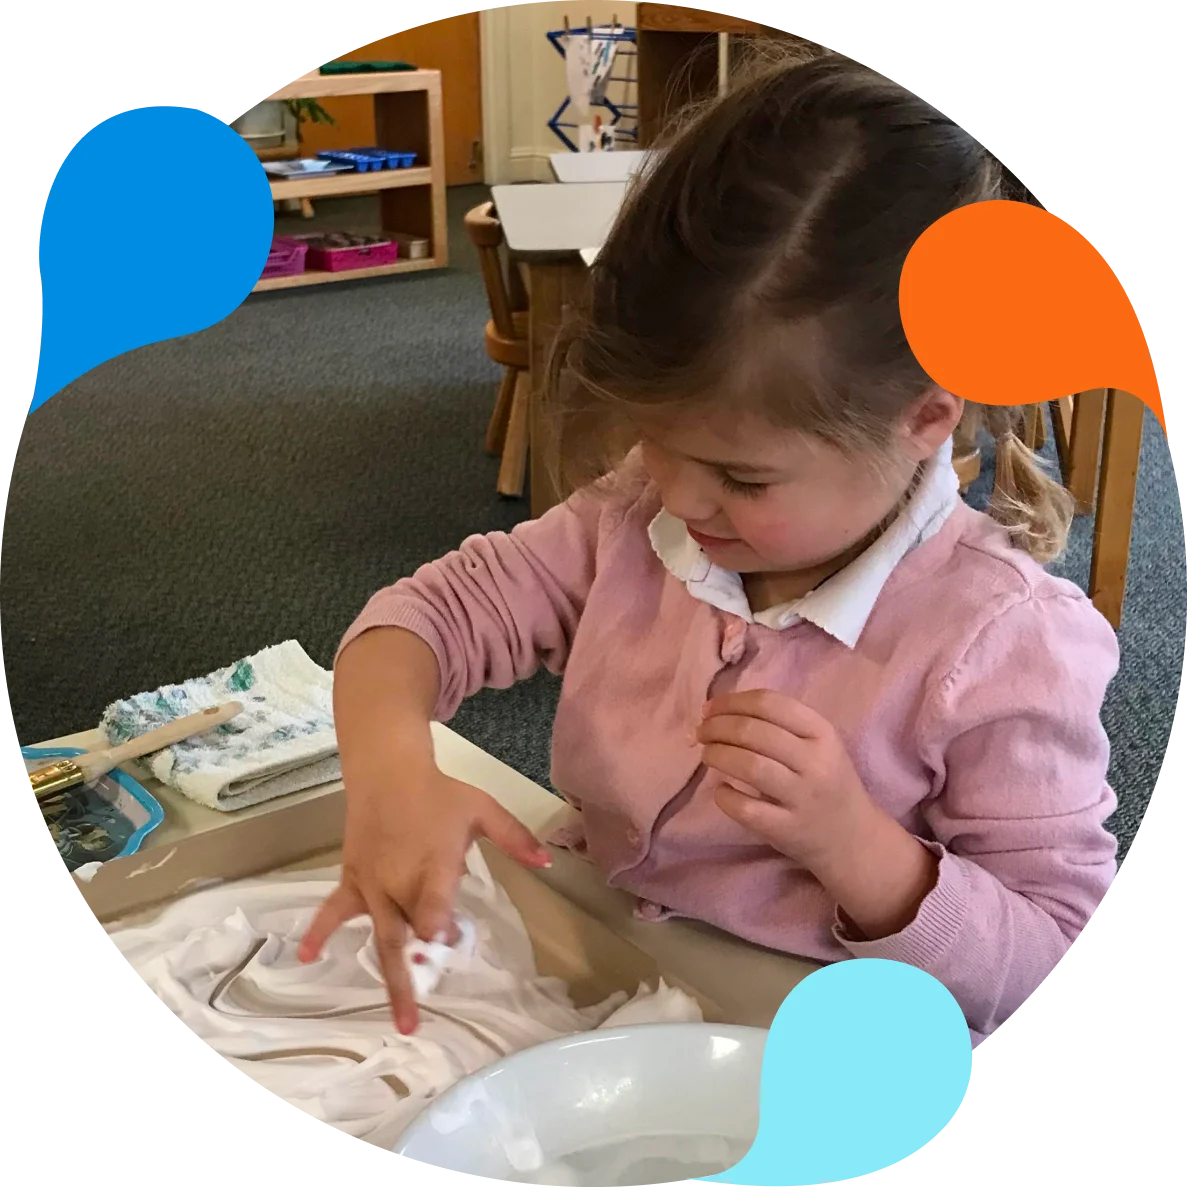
x=760, y=499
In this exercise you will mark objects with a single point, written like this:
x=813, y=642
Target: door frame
x=495, y=47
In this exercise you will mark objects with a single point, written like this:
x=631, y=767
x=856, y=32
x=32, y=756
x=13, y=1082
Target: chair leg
x=968, y=466
x=1033, y=432
x=967, y=458
x=1084, y=447
x=501, y=414
x=515, y=448
x=1123, y=439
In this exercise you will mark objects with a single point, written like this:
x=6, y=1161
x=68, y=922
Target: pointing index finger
x=391, y=932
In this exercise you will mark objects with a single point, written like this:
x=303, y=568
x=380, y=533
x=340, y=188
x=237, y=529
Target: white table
x=598, y=167
x=557, y=219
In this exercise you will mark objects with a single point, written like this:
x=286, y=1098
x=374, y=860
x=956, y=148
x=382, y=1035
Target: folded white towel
x=283, y=741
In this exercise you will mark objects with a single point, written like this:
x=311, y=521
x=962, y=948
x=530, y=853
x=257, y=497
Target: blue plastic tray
x=126, y=801
x=367, y=160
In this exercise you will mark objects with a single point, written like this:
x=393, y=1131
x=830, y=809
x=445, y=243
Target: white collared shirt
x=842, y=603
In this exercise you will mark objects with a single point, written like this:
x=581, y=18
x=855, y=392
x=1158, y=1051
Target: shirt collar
x=842, y=603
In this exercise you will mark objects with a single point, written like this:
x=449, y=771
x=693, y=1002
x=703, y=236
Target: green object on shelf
x=365, y=67
x=308, y=109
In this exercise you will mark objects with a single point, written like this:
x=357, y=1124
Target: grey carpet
x=195, y=500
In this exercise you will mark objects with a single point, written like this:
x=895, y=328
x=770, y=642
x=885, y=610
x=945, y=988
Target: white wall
x=524, y=82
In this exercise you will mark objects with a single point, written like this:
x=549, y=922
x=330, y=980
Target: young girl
x=809, y=695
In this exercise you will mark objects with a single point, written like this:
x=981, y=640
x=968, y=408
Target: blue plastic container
x=368, y=160
x=392, y=159
x=117, y=804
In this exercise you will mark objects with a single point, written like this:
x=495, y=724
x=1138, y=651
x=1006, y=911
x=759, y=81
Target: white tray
x=306, y=167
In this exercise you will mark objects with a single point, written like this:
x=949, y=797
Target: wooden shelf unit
x=408, y=118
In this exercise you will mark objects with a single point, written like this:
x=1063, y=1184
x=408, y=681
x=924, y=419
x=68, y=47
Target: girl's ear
x=929, y=422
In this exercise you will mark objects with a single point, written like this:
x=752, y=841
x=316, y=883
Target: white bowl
x=648, y=1104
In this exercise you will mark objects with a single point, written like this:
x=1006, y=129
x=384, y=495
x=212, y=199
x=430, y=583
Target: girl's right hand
x=404, y=851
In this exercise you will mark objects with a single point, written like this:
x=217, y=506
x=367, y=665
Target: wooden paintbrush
x=56, y=777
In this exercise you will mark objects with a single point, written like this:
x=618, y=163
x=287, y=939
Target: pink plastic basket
x=338, y=253
x=286, y=257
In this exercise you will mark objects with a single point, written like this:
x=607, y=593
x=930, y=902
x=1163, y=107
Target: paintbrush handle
x=96, y=763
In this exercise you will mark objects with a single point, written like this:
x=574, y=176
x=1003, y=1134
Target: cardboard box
x=582, y=930
x=196, y=845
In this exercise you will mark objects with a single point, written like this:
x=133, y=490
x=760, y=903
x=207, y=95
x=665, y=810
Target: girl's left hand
x=791, y=781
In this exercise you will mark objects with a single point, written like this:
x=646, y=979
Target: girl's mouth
x=709, y=542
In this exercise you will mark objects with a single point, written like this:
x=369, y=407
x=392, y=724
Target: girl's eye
x=738, y=487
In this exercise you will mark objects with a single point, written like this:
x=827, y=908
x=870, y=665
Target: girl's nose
x=685, y=492
x=688, y=499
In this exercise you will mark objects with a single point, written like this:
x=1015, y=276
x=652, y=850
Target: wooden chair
x=506, y=340
x=967, y=457
x=1098, y=436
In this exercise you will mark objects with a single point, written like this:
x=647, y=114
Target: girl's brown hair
x=755, y=264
